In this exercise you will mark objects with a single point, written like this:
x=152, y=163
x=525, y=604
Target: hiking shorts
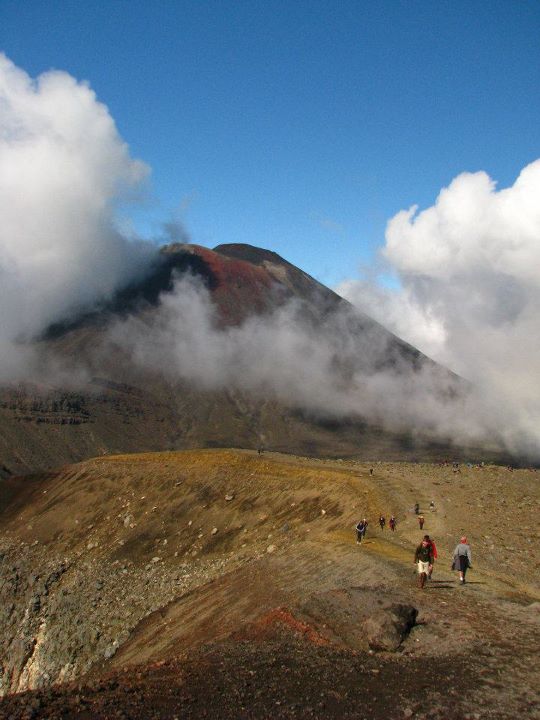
x=423, y=567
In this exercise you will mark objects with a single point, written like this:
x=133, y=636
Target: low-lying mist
x=337, y=366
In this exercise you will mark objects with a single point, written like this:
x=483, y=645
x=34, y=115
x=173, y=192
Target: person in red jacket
x=434, y=554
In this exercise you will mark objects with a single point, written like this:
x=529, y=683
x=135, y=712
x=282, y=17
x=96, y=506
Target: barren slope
x=235, y=580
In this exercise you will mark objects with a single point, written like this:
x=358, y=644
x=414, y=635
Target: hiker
x=432, y=506
x=434, y=553
x=423, y=557
x=382, y=521
x=462, y=558
x=361, y=530
x=392, y=523
x=421, y=521
x=371, y=471
x=416, y=508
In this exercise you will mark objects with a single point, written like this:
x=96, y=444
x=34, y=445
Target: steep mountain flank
x=101, y=401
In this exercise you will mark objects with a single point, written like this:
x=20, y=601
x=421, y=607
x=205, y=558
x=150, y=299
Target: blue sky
x=300, y=127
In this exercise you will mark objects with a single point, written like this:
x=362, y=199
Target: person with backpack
x=421, y=521
x=361, y=530
x=434, y=553
x=382, y=521
x=392, y=523
x=462, y=558
x=423, y=558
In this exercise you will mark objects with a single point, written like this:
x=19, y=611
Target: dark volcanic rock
x=387, y=628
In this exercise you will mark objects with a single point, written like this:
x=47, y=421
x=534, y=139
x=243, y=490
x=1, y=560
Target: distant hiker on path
x=423, y=557
x=392, y=523
x=432, y=506
x=382, y=521
x=361, y=530
x=416, y=508
x=421, y=521
x=462, y=558
x=434, y=553
x=371, y=471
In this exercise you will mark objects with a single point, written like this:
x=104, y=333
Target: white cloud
x=340, y=366
x=63, y=167
x=470, y=273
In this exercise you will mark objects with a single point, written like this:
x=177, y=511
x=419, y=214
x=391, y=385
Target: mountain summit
x=227, y=347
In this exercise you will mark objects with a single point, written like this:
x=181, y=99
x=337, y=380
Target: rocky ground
x=224, y=584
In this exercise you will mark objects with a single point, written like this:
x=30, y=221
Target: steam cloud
x=63, y=170
x=470, y=294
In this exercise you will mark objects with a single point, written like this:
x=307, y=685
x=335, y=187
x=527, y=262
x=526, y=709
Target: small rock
x=408, y=713
x=156, y=559
x=214, y=531
x=35, y=604
x=228, y=498
x=271, y=548
x=111, y=650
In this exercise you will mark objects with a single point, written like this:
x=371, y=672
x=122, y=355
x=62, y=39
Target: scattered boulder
x=387, y=628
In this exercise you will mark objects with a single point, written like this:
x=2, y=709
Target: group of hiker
x=362, y=526
x=426, y=552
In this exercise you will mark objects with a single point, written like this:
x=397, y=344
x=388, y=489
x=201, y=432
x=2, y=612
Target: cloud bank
x=63, y=170
x=469, y=268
